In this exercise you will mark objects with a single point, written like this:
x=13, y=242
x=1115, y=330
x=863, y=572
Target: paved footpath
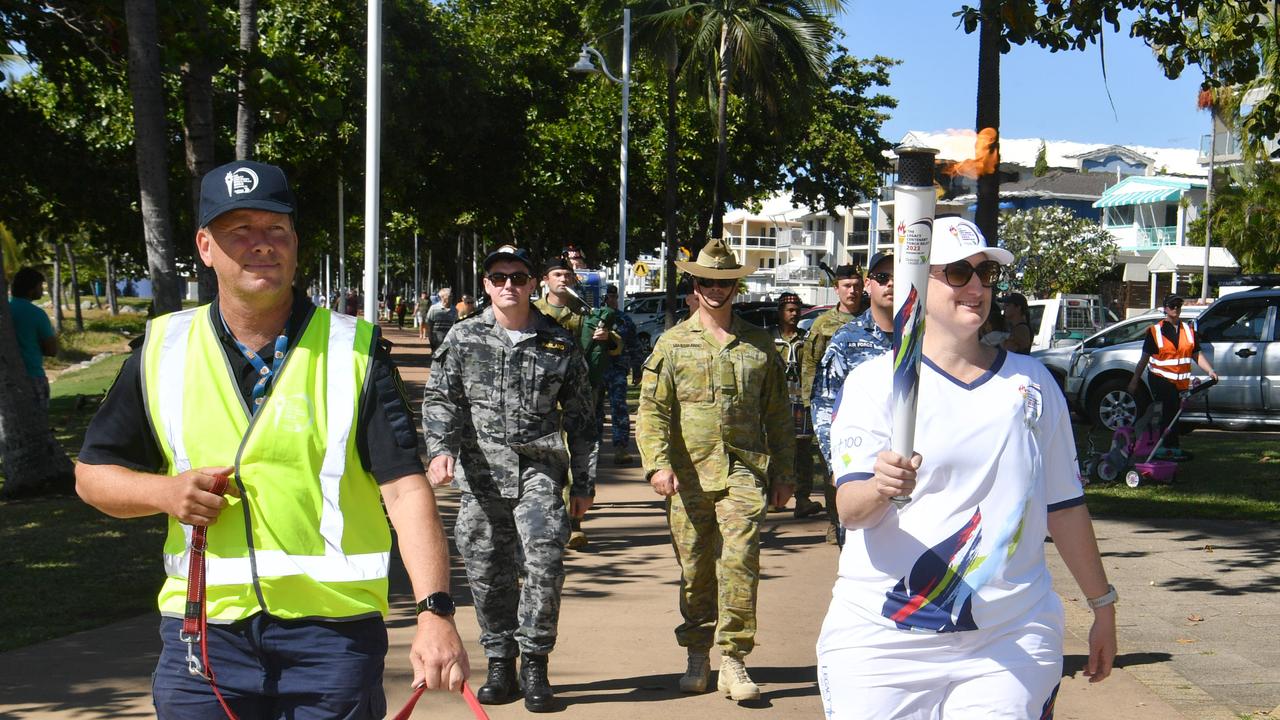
x=1198, y=618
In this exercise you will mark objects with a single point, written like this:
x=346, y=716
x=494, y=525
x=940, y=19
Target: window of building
x=1119, y=216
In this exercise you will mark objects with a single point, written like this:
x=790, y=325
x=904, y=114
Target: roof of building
x=958, y=145
x=1056, y=184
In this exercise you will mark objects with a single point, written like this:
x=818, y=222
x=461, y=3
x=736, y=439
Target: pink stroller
x=1144, y=439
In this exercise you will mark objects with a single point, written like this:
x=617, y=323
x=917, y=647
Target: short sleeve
x=861, y=423
x=1063, y=488
x=44, y=328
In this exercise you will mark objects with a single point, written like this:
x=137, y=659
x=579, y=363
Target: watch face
x=438, y=603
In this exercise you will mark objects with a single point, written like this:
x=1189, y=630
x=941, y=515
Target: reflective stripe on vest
x=1173, y=362
x=289, y=545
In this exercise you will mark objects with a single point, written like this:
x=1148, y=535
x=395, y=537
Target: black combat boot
x=500, y=687
x=538, y=695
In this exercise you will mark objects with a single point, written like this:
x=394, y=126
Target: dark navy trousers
x=269, y=669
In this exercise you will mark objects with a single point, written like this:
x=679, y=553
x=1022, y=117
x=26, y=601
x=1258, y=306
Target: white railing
x=806, y=238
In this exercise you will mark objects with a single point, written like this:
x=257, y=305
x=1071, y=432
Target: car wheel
x=1112, y=406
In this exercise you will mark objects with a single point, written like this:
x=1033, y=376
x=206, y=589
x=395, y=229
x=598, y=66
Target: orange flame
x=985, y=157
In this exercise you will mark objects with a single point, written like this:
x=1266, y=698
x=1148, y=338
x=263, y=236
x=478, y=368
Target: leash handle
x=470, y=697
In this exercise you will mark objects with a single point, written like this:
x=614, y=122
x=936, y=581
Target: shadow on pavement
x=1073, y=665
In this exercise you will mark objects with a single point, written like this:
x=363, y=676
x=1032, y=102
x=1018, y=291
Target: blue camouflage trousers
x=502, y=540
x=615, y=384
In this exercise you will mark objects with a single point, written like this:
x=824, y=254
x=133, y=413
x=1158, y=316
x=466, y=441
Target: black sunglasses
x=880, y=277
x=958, y=273
x=517, y=279
x=710, y=283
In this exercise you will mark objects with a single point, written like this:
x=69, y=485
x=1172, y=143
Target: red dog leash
x=195, y=623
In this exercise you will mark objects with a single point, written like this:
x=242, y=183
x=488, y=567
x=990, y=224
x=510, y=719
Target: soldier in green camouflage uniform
x=851, y=301
x=505, y=385
x=716, y=436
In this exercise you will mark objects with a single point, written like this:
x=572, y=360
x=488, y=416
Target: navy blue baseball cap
x=879, y=258
x=244, y=185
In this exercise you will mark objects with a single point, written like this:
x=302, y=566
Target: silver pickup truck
x=1239, y=335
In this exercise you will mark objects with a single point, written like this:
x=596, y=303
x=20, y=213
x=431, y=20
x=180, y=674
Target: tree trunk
x=722, y=137
x=198, y=136
x=150, y=140
x=55, y=290
x=30, y=457
x=244, y=109
x=673, y=179
x=111, y=287
x=987, y=216
x=75, y=286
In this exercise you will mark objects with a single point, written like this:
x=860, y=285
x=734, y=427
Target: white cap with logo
x=955, y=238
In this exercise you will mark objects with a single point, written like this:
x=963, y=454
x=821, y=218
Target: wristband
x=1107, y=598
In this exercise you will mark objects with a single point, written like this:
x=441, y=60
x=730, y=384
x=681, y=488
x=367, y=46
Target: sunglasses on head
x=880, y=277
x=711, y=282
x=958, y=273
x=518, y=279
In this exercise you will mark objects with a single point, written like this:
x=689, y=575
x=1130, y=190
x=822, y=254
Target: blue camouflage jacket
x=855, y=342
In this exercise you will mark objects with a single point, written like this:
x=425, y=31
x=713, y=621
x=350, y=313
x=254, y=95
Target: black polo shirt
x=386, y=435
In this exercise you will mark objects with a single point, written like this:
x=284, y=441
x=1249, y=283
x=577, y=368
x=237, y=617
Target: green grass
x=67, y=567
x=1234, y=476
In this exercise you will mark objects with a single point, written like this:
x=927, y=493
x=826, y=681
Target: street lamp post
x=586, y=65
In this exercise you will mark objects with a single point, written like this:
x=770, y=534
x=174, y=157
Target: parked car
x=1059, y=360
x=1238, y=334
x=808, y=316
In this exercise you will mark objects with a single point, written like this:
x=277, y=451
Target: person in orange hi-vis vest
x=1167, y=353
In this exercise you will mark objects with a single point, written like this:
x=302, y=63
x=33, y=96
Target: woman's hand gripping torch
x=914, y=200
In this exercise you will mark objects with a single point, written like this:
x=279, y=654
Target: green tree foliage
x=1056, y=251
x=1246, y=219
x=1042, y=161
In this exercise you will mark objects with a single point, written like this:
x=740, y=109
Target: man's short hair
x=25, y=282
x=445, y=291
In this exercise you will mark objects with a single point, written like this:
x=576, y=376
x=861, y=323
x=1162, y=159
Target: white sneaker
x=734, y=680
x=698, y=674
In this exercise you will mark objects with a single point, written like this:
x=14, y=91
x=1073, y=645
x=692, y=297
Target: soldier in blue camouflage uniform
x=623, y=369
x=862, y=338
x=505, y=385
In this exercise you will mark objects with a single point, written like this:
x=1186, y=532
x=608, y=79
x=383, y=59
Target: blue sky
x=1056, y=96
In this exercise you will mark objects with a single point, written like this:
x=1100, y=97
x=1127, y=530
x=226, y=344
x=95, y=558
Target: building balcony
x=814, y=239
x=1226, y=148
x=1154, y=237
x=861, y=239
x=803, y=275
x=750, y=241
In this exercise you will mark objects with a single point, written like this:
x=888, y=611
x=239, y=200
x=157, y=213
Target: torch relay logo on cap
x=966, y=237
x=241, y=181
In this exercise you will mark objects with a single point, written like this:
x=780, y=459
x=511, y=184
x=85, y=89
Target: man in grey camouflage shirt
x=505, y=385
x=865, y=336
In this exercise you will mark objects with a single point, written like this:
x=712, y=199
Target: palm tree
x=245, y=130
x=987, y=217
x=751, y=44
x=150, y=140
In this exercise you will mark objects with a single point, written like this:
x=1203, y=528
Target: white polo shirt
x=968, y=551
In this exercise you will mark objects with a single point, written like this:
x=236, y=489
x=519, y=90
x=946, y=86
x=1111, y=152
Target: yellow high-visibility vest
x=308, y=537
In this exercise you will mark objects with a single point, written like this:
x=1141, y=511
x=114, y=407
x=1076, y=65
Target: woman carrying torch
x=944, y=607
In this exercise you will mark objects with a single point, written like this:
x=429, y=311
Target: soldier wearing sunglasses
x=717, y=439
x=867, y=335
x=505, y=385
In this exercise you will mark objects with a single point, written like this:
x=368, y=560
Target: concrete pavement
x=1197, y=624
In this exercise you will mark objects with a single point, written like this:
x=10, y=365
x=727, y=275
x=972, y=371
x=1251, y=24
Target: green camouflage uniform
x=815, y=344
x=718, y=417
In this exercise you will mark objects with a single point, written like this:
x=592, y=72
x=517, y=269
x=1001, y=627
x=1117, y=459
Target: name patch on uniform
x=554, y=345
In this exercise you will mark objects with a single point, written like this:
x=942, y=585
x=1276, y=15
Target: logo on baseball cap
x=955, y=238
x=244, y=184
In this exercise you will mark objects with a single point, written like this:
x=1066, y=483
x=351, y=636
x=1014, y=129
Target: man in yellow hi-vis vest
x=303, y=410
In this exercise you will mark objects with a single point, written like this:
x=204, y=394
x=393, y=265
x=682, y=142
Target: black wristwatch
x=439, y=603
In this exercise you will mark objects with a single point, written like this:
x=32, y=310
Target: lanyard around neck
x=264, y=374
